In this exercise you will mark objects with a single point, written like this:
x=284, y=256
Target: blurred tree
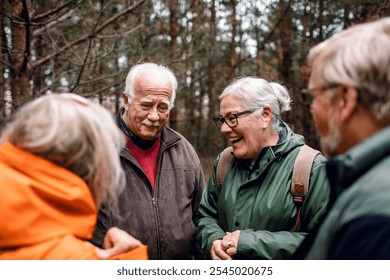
x=88, y=46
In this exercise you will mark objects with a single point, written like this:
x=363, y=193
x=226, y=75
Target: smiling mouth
x=235, y=139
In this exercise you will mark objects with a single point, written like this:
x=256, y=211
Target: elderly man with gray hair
x=350, y=86
x=164, y=174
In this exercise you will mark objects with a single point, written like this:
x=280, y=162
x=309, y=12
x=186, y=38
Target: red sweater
x=147, y=159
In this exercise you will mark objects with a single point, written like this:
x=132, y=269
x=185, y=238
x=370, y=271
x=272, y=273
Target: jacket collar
x=169, y=137
x=143, y=144
x=344, y=169
x=288, y=141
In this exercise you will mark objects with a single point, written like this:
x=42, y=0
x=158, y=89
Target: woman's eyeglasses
x=231, y=119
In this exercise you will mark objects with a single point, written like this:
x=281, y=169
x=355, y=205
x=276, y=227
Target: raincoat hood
x=40, y=201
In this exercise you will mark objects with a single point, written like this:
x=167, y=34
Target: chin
x=238, y=154
x=329, y=145
x=150, y=136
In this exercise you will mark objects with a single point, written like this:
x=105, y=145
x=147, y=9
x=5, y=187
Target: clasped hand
x=226, y=248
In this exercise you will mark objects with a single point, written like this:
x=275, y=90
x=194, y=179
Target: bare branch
x=269, y=36
x=83, y=38
x=53, y=23
x=120, y=35
x=97, y=92
x=55, y=11
x=87, y=53
x=104, y=77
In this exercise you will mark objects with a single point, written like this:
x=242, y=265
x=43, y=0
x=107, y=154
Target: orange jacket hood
x=40, y=201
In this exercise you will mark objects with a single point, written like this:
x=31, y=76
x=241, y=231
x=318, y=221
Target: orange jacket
x=47, y=212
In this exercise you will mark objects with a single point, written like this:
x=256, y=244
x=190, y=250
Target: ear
x=267, y=113
x=347, y=101
x=126, y=101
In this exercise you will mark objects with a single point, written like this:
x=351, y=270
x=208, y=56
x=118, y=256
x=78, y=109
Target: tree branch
x=269, y=36
x=42, y=16
x=87, y=53
x=53, y=23
x=86, y=37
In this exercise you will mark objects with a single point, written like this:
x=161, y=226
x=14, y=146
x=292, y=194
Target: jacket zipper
x=154, y=204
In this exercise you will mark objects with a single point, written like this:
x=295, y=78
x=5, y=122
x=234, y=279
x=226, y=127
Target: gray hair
x=255, y=92
x=74, y=133
x=360, y=57
x=151, y=69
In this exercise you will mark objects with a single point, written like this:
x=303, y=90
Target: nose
x=153, y=114
x=225, y=128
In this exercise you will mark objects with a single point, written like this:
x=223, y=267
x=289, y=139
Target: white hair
x=152, y=70
x=255, y=92
x=74, y=133
x=360, y=57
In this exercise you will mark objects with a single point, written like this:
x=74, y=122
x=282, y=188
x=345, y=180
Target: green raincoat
x=258, y=202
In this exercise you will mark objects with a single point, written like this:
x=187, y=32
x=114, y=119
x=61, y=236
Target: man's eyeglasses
x=308, y=93
x=231, y=119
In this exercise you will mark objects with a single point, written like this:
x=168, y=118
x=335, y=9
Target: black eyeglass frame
x=220, y=120
x=308, y=92
x=311, y=90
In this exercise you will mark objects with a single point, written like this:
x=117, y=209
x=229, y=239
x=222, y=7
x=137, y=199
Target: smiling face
x=148, y=114
x=249, y=137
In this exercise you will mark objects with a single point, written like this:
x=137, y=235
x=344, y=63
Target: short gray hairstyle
x=151, y=69
x=255, y=92
x=74, y=133
x=360, y=57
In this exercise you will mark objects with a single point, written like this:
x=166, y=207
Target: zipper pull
x=153, y=202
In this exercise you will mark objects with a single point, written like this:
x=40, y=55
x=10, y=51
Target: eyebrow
x=148, y=100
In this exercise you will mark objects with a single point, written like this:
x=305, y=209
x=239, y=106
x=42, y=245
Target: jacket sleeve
x=263, y=244
x=281, y=245
x=198, y=190
x=372, y=242
x=208, y=228
x=102, y=225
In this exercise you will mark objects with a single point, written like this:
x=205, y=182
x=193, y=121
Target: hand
x=230, y=242
x=117, y=241
x=218, y=251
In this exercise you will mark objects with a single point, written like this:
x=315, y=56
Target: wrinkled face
x=247, y=137
x=324, y=116
x=148, y=114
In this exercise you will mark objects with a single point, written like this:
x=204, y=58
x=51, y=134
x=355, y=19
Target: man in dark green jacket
x=350, y=86
x=252, y=215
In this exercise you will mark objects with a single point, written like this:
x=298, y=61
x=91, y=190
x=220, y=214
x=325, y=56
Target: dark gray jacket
x=358, y=224
x=164, y=219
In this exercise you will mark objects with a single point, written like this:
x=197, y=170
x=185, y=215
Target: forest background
x=88, y=46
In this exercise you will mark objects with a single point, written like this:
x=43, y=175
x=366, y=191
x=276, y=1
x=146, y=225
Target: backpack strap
x=300, y=178
x=223, y=165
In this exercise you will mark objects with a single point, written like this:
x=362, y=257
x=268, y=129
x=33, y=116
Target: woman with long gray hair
x=59, y=160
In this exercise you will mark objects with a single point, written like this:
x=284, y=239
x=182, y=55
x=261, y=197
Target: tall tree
x=19, y=54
